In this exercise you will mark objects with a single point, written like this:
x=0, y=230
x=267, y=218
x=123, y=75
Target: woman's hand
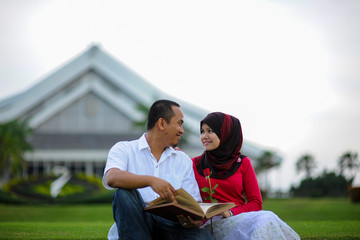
x=188, y=222
x=226, y=214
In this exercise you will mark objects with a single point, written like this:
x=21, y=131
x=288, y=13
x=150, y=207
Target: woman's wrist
x=231, y=213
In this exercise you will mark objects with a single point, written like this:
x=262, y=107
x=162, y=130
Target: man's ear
x=161, y=124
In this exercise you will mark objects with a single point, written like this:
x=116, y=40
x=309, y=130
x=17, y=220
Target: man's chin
x=175, y=144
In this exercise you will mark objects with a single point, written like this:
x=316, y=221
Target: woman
x=224, y=175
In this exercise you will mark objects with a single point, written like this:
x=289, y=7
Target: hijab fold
x=225, y=160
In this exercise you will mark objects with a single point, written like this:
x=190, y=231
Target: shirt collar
x=143, y=144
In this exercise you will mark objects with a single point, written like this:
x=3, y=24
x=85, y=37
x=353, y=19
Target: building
x=81, y=110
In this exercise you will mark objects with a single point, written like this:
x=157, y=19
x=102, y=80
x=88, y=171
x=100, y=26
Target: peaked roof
x=116, y=73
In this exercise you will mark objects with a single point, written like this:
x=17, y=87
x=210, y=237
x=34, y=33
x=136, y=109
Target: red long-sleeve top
x=231, y=189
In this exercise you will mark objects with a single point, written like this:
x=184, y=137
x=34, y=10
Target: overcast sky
x=289, y=70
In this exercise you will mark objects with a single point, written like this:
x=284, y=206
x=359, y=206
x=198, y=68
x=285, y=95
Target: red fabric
x=231, y=189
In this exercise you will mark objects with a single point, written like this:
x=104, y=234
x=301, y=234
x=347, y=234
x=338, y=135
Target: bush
x=79, y=189
x=355, y=194
x=6, y=197
x=326, y=185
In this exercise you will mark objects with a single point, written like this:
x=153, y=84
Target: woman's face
x=208, y=138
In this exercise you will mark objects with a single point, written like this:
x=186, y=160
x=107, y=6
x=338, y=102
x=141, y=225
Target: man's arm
x=117, y=178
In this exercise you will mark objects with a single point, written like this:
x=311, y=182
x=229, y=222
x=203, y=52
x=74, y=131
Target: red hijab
x=225, y=160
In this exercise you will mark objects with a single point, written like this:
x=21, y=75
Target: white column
x=47, y=167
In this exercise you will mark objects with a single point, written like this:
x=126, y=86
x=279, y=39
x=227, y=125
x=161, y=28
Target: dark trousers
x=134, y=223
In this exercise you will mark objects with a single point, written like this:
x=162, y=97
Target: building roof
x=80, y=76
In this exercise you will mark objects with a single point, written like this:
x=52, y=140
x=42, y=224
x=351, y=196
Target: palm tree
x=307, y=164
x=266, y=161
x=13, y=145
x=349, y=161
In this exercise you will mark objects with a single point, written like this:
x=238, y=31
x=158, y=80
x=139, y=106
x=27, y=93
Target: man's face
x=174, y=128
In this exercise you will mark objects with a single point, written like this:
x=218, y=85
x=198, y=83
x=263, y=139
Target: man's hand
x=122, y=179
x=188, y=222
x=164, y=189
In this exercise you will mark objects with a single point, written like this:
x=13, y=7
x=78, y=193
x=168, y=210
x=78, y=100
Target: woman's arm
x=251, y=190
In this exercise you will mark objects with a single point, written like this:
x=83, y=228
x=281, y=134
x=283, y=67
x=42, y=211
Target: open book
x=187, y=206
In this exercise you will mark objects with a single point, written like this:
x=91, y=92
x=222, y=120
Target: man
x=147, y=168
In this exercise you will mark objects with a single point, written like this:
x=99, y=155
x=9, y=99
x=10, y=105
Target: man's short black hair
x=160, y=109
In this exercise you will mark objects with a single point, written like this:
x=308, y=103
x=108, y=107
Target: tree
x=13, y=145
x=307, y=164
x=349, y=162
x=266, y=161
x=326, y=185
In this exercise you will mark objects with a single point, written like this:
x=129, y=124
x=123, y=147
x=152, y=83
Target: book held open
x=187, y=206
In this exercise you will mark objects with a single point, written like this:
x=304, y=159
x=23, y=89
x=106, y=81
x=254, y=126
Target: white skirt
x=251, y=225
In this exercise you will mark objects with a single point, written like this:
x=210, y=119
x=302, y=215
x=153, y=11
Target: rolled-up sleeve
x=117, y=158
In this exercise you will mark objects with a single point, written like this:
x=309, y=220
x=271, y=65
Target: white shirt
x=136, y=157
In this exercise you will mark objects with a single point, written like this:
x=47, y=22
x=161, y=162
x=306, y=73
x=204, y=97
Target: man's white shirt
x=136, y=157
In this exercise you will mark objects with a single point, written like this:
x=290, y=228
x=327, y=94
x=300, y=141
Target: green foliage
x=13, y=145
x=325, y=185
x=37, y=190
x=349, y=161
x=43, y=188
x=91, y=179
x=209, y=190
x=6, y=197
x=68, y=189
x=265, y=162
x=307, y=164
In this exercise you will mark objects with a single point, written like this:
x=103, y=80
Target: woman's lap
x=252, y=225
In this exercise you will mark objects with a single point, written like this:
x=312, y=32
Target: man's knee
x=127, y=198
x=126, y=194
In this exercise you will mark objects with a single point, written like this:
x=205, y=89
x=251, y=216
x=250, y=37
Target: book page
x=206, y=206
x=187, y=200
x=183, y=198
x=212, y=209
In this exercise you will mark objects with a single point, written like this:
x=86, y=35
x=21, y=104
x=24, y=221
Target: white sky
x=289, y=70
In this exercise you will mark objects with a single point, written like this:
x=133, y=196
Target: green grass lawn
x=318, y=218
x=310, y=218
